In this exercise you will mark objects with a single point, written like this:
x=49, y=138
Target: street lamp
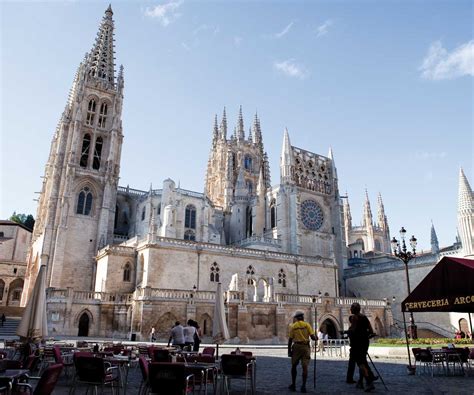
x=402, y=253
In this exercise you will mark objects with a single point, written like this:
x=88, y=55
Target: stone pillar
x=281, y=324
x=243, y=323
x=190, y=310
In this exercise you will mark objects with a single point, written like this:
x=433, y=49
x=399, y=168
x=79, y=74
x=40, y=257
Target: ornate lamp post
x=401, y=252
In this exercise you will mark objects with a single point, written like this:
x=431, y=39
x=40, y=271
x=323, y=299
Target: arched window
x=248, y=222
x=102, y=115
x=84, y=201
x=282, y=278
x=249, y=186
x=97, y=153
x=91, y=112
x=190, y=217
x=214, y=277
x=250, y=273
x=189, y=235
x=86, y=146
x=361, y=242
x=248, y=163
x=126, y=272
x=143, y=213
x=273, y=214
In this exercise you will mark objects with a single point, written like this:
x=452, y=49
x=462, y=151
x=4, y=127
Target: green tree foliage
x=26, y=220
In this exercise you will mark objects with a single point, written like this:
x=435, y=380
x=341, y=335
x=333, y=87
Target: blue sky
x=388, y=85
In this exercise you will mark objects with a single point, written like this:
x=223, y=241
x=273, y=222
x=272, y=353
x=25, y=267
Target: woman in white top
x=189, y=330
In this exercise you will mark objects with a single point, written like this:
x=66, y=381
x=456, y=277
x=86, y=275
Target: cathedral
x=121, y=260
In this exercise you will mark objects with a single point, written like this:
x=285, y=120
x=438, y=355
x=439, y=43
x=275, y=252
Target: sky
x=387, y=84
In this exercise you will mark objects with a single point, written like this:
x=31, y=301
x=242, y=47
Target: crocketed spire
x=240, y=134
x=101, y=57
x=223, y=127
x=434, y=240
x=465, y=215
x=367, y=211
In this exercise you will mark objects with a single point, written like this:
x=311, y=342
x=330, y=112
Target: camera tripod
x=378, y=373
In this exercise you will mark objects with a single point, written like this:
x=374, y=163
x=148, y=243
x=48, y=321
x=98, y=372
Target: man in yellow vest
x=299, y=348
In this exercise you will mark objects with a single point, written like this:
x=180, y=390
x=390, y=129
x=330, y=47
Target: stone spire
x=434, y=240
x=381, y=217
x=250, y=138
x=347, y=218
x=240, y=126
x=286, y=159
x=367, y=221
x=223, y=127
x=261, y=188
x=465, y=215
x=100, y=63
x=257, y=132
x=215, y=132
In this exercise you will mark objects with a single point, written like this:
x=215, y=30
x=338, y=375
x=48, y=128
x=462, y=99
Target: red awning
x=448, y=287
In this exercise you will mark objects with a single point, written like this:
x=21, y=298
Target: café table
x=204, y=368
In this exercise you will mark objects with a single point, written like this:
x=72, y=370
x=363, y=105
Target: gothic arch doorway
x=84, y=325
x=379, y=328
x=329, y=327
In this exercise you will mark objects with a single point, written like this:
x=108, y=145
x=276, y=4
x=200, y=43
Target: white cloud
x=186, y=46
x=439, y=64
x=284, y=31
x=291, y=69
x=322, y=30
x=165, y=13
x=237, y=41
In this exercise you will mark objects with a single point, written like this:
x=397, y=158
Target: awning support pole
x=406, y=339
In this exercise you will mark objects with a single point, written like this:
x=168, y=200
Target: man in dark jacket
x=360, y=331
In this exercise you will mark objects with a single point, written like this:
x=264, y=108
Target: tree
x=26, y=220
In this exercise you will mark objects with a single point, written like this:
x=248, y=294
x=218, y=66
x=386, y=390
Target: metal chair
x=46, y=382
x=94, y=371
x=169, y=379
x=235, y=366
x=144, y=385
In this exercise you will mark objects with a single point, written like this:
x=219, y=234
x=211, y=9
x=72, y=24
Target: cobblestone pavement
x=273, y=377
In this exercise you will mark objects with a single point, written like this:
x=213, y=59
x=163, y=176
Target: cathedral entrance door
x=328, y=327
x=83, y=325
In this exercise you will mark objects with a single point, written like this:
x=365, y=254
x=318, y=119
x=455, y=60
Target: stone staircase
x=9, y=327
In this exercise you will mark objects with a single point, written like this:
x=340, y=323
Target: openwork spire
x=434, y=240
x=240, y=126
x=223, y=128
x=101, y=58
x=367, y=210
x=215, y=132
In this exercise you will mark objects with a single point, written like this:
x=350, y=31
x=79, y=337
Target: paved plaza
x=273, y=377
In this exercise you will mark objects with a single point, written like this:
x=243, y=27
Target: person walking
x=3, y=319
x=152, y=334
x=177, y=335
x=197, y=336
x=299, y=348
x=189, y=331
x=360, y=331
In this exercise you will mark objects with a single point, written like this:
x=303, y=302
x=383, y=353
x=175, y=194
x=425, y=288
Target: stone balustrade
x=362, y=302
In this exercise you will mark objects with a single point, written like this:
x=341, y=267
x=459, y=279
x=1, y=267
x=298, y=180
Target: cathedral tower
x=466, y=215
x=76, y=207
x=236, y=167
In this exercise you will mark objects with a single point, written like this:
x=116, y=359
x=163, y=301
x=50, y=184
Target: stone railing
x=190, y=193
x=131, y=191
x=290, y=298
x=262, y=240
x=362, y=302
x=88, y=296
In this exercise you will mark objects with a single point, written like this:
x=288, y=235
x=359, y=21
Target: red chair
x=235, y=366
x=160, y=355
x=208, y=351
x=169, y=379
x=46, y=382
x=67, y=364
x=206, y=358
x=94, y=371
x=144, y=385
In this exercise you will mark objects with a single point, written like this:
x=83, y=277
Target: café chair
x=236, y=366
x=169, y=379
x=208, y=351
x=144, y=385
x=94, y=371
x=45, y=385
x=67, y=363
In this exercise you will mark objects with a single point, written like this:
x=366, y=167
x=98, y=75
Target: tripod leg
x=375, y=368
